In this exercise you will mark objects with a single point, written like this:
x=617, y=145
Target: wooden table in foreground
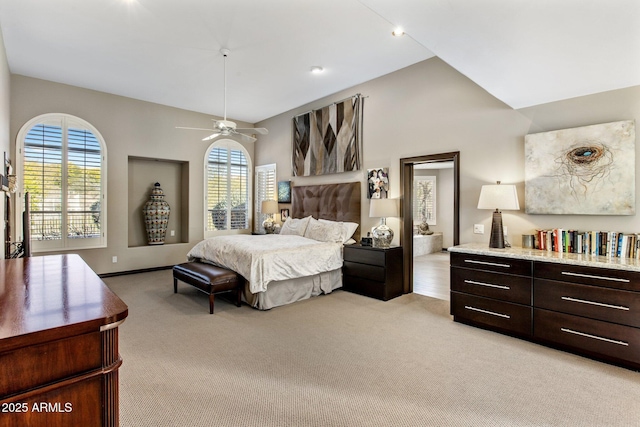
x=59, y=356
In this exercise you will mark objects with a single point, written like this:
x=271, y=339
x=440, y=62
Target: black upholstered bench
x=208, y=279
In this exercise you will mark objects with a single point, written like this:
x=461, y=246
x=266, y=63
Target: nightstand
x=374, y=272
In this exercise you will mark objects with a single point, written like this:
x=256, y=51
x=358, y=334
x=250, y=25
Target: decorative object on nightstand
x=383, y=208
x=498, y=196
x=269, y=207
x=156, y=216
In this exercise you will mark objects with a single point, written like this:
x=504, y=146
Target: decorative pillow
x=348, y=228
x=323, y=232
x=295, y=227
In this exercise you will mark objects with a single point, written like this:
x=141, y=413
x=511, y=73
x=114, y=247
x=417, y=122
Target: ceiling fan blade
x=182, y=127
x=210, y=137
x=247, y=138
x=261, y=131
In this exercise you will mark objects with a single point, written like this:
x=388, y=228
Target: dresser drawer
x=596, y=337
x=491, y=263
x=371, y=272
x=504, y=287
x=611, y=305
x=507, y=317
x=43, y=364
x=619, y=279
x=365, y=256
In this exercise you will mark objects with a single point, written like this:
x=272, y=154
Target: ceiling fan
x=226, y=127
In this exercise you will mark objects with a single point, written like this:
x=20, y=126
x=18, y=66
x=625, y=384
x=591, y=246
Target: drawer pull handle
x=601, y=304
x=506, y=316
x=473, y=282
x=494, y=264
x=591, y=276
x=582, y=334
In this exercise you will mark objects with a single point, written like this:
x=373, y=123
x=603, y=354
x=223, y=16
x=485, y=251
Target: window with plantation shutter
x=424, y=199
x=63, y=168
x=228, y=187
x=266, y=189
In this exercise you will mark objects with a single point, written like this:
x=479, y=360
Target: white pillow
x=348, y=228
x=324, y=232
x=295, y=227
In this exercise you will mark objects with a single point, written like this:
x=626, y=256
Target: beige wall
x=131, y=129
x=427, y=108
x=5, y=80
x=431, y=108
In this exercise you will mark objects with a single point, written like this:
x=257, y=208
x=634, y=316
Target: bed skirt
x=291, y=290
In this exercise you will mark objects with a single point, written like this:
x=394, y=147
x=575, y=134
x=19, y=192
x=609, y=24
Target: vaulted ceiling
x=523, y=52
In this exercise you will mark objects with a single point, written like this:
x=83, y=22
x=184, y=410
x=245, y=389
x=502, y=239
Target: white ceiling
x=524, y=52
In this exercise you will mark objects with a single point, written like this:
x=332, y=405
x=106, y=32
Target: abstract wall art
x=328, y=140
x=588, y=170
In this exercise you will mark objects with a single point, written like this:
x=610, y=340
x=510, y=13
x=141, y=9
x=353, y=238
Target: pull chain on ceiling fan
x=226, y=127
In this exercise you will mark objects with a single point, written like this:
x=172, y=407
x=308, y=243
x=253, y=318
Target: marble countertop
x=629, y=264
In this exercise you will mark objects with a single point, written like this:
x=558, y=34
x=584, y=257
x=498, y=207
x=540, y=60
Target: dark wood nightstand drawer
x=595, y=337
x=487, y=312
x=364, y=255
x=491, y=263
x=612, y=305
x=365, y=271
x=618, y=279
x=505, y=287
x=372, y=288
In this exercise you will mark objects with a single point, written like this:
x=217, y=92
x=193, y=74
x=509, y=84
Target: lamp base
x=382, y=235
x=268, y=226
x=497, y=233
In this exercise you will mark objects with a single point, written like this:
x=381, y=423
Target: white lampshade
x=269, y=207
x=499, y=196
x=383, y=208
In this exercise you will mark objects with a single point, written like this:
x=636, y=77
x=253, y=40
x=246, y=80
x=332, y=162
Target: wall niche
x=173, y=177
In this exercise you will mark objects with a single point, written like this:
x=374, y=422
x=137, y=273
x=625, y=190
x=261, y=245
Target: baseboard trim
x=142, y=270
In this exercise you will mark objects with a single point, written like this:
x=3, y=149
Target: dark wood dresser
x=374, y=272
x=585, y=304
x=59, y=355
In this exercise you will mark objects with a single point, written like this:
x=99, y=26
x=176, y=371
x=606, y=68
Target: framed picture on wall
x=284, y=191
x=378, y=183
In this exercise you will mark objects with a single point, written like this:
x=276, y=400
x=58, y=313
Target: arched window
x=63, y=167
x=228, y=188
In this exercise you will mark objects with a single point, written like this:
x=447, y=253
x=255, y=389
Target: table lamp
x=269, y=207
x=498, y=197
x=383, y=208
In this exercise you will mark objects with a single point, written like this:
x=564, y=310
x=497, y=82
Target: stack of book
x=602, y=243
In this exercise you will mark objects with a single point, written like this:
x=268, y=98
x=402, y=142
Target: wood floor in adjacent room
x=431, y=275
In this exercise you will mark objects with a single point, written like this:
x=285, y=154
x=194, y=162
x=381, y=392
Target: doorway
x=407, y=175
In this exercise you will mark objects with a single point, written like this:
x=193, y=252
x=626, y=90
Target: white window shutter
x=266, y=189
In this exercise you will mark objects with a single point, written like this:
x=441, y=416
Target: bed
x=281, y=269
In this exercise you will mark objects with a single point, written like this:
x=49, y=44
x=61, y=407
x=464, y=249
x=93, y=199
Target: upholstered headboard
x=336, y=202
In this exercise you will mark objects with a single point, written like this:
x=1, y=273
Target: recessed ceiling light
x=398, y=32
x=316, y=69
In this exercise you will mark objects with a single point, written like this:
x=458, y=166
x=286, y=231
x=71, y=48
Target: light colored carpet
x=346, y=360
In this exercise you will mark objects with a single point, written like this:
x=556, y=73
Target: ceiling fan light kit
x=227, y=127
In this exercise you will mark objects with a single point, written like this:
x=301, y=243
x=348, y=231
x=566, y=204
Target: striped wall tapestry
x=328, y=140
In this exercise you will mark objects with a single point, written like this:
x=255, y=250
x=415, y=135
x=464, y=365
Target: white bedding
x=271, y=257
